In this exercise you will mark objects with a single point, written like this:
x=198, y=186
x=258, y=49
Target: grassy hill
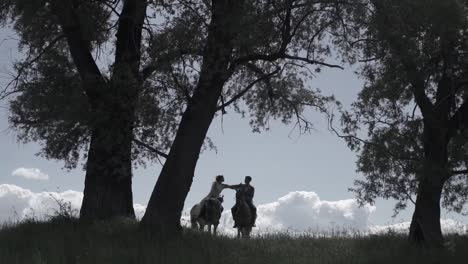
x=69, y=241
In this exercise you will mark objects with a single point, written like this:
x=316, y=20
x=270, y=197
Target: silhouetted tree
x=63, y=95
x=256, y=54
x=414, y=108
x=176, y=65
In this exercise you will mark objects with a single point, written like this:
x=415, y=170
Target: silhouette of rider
x=249, y=192
x=216, y=188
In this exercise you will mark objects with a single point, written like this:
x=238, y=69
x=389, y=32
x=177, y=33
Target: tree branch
x=79, y=47
x=5, y=93
x=332, y=129
x=129, y=34
x=458, y=172
x=247, y=88
x=276, y=56
x=150, y=148
x=182, y=88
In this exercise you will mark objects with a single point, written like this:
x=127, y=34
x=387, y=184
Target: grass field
x=59, y=241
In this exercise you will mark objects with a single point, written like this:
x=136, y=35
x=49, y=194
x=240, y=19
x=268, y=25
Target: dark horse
x=209, y=215
x=242, y=215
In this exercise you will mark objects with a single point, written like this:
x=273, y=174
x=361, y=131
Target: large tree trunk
x=167, y=200
x=108, y=182
x=425, y=225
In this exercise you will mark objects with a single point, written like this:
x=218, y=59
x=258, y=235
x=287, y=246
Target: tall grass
x=66, y=240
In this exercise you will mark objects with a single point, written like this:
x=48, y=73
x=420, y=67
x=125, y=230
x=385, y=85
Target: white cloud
x=449, y=226
x=304, y=212
x=17, y=203
x=139, y=210
x=30, y=173
x=295, y=212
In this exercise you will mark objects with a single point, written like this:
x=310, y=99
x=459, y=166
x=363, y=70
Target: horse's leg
x=215, y=228
x=194, y=224
x=238, y=232
x=209, y=228
x=201, y=223
x=247, y=231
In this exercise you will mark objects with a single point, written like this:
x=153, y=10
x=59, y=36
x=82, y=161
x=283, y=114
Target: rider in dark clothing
x=249, y=191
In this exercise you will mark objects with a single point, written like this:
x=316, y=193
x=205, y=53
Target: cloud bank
x=30, y=173
x=17, y=203
x=302, y=211
x=449, y=226
x=297, y=211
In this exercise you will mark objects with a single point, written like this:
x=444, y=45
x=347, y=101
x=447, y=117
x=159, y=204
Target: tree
x=65, y=99
x=414, y=107
x=259, y=53
x=195, y=59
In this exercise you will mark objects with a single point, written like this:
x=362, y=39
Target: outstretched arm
x=233, y=186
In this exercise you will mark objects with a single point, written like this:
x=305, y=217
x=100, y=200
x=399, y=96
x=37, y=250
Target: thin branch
x=276, y=56
x=180, y=86
x=247, y=88
x=267, y=82
x=338, y=134
x=150, y=148
x=458, y=172
x=14, y=82
x=370, y=59
x=148, y=71
x=112, y=7
x=195, y=12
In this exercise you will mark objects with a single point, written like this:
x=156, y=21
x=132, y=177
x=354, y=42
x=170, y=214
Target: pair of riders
x=218, y=186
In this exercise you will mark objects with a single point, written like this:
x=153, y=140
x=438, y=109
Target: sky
x=301, y=181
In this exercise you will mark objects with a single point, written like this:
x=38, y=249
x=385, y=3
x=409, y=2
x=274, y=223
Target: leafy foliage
x=50, y=104
x=412, y=51
x=279, y=47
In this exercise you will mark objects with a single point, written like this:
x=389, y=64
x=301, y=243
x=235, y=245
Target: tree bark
x=167, y=200
x=425, y=225
x=108, y=182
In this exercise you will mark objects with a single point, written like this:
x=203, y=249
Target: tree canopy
x=170, y=60
x=49, y=105
x=257, y=56
x=413, y=105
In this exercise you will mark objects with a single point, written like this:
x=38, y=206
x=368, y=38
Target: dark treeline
x=177, y=64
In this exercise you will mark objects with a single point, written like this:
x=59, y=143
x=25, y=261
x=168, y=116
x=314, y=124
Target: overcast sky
x=281, y=162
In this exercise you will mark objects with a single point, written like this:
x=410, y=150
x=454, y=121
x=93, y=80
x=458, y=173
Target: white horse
x=207, y=213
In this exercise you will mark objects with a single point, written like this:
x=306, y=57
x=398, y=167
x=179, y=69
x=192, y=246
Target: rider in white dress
x=216, y=188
